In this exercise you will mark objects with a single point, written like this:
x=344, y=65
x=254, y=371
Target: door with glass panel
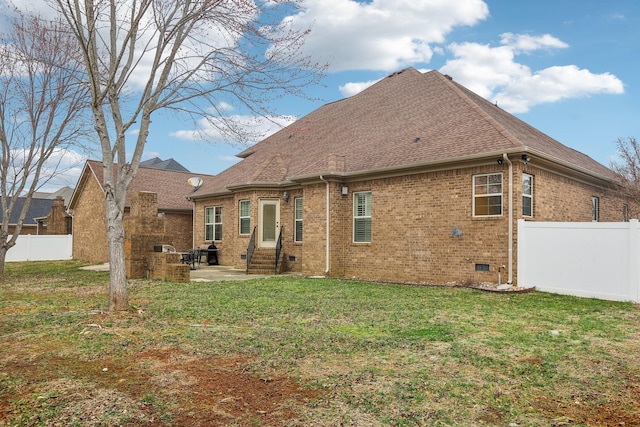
x=268, y=223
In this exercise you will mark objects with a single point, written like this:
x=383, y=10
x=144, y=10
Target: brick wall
x=89, y=220
x=227, y=248
x=233, y=246
x=26, y=229
x=559, y=198
x=423, y=228
x=143, y=229
x=58, y=220
x=179, y=230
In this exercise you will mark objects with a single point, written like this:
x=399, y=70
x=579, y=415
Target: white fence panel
x=599, y=259
x=41, y=248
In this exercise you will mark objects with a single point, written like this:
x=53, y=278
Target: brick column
x=143, y=229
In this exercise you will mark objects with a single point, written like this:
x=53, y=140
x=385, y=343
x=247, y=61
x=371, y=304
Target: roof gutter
x=328, y=230
x=451, y=163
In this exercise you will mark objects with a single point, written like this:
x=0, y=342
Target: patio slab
x=203, y=273
x=214, y=273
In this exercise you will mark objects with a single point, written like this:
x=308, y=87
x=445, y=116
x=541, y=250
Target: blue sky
x=567, y=67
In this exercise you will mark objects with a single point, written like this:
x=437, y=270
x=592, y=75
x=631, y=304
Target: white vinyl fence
x=587, y=259
x=41, y=248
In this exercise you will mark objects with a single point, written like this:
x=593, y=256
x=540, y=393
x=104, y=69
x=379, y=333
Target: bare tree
x=40, y=113
x=628, y=168
x=189, y=56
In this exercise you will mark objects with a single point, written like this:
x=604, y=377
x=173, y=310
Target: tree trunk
x=3, y=256
x=118, y=295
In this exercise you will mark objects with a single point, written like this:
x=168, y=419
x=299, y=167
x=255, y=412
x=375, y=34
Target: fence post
x=634, y=264
x=521, y=268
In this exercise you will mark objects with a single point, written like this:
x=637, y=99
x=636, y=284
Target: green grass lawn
x=309, y=352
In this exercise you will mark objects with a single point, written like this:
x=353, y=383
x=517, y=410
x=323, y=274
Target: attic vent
x=448, y=76
x=396, y=73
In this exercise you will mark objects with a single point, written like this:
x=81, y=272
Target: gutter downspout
x=193, y=223
x=510, y=247
x=328, y=228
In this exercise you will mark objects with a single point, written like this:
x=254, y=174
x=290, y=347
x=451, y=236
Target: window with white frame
x=527, y=194
x=213, y=223
x=362, y=217
x=487, y=194
x=298, y=202
x=595, y=208
x=245, y=216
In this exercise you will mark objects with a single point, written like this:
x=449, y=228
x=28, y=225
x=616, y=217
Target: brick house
x=46, y=214
x=415, y=179
x=35, y=220
x=88, y=208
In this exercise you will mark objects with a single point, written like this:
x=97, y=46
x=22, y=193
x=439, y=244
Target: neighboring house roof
x=407, y=120
x=38, y=208
x=170, y=186
x=64, y=192
x=169, y=164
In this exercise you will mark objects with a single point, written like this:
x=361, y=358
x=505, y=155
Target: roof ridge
x=493, y=122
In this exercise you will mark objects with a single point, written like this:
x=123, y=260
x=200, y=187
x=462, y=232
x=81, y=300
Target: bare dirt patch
x=153, y=388
x=562, y=413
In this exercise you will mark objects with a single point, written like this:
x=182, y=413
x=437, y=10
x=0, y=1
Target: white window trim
x=214, y=223
x=530, y=196
x=297, y=220
x=475, y=196
x=241, y=217
x=357, y=217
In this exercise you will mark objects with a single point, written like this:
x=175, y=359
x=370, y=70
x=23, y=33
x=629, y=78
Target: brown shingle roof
x=406, y=119
x=171, y=186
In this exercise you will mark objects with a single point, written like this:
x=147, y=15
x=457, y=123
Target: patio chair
x=190, y=257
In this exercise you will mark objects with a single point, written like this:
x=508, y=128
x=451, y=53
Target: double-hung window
x=487, y=194
x=527, y=194
x=362, y=217
x=213, y=223
x=298, y=201
x=245, y=217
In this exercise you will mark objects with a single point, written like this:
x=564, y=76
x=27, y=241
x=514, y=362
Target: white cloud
x=554, y=84
x=528, y=43
x=494, y=73
x=223, y=106
x=352, y=88
x=252, y=129
x=381, y=34
x=62, y=169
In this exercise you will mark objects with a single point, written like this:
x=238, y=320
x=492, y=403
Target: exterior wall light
x=526, y=159
x=285, y=196
x=345, y=190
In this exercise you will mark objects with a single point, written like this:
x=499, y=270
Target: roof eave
x=410, y=168
x=452, y=163
x=234, y=188
x=414, y=168
x=577, y=170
